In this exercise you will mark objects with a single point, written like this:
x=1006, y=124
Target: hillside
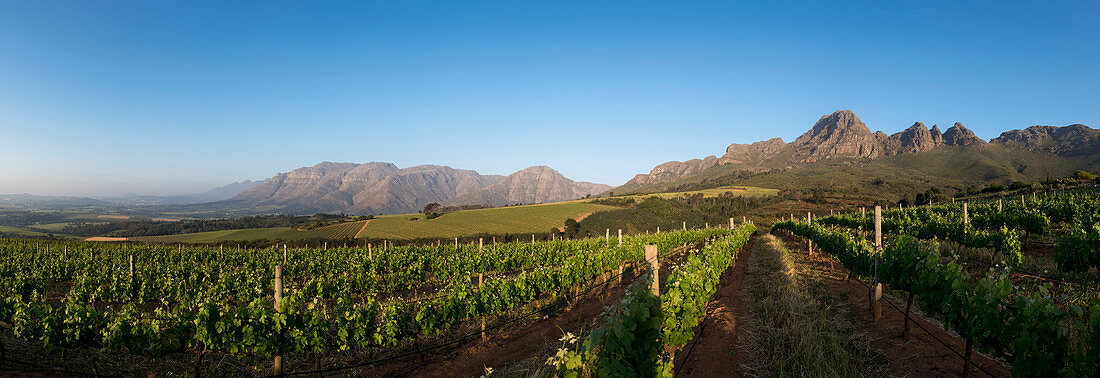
x=913, y=158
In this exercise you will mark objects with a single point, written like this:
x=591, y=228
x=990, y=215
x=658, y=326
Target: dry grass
x=795, y=330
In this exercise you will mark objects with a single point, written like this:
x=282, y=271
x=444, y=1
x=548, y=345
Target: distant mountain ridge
x=538, y=184
x=843, y=135
x=383, y=188
x=213, y=195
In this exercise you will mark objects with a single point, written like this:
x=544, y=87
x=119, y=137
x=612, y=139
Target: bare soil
x=919, y=354
x=362, y=228
x=715, y=351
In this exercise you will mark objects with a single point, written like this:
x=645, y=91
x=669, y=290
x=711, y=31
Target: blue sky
x=101, y=97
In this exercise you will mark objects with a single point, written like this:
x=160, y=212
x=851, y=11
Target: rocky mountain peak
x=837, y=134
x=915, y=139
x=937, y=136
x=737, y=153
x=674, y=169
x=959, y=135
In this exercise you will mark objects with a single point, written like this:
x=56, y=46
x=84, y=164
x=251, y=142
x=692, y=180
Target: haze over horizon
x=106, y=98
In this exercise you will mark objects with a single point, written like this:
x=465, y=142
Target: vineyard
x=362, y=304
x=987, y=271
x=1013, y=278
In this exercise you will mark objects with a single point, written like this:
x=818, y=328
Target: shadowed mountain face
x=959, y=135
x=539, y=184
x=842, y=135
x=383, y=188
x=1072, y=140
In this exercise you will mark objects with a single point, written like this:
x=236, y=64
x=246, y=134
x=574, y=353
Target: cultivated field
x=501, y=220
x=339, y=231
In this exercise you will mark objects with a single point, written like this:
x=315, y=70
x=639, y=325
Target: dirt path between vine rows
x=919, y=354
x=715, y=352
x=516, y=345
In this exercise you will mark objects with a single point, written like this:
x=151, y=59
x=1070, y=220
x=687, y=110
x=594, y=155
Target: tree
x=572, y=228
x=432, y=208
x=1083, y=176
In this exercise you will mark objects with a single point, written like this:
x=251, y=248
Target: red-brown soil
x=919, y=354
x=715, y=352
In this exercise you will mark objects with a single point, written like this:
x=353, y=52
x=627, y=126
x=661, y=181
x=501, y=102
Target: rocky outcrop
x=837, y=134
x=959, y=135
x=937, y=136
x=752, y=154
x=369, y=188
x=1072, y=140
x=915, y=139
x=673, y=170
x=539, y=184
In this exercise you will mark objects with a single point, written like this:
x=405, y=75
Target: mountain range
x=63, y=202
x=1028, y=154
x=839, y=152
x=383, y=188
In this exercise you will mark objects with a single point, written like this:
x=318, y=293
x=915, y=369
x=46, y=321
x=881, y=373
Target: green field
x=22, y=231
x=51, y=227
x=501, y=220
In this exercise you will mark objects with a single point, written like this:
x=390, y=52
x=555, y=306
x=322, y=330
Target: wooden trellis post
x=480, y=276
x=966, y=215
x=284, y=254
x=479, y=244
x=876, y=301
x=620, y=237
x=651, y=261
x=607, y=236
x=278, y=368
x=878, y=228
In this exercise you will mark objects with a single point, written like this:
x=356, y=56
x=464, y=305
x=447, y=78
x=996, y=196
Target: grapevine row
x=1022, y=327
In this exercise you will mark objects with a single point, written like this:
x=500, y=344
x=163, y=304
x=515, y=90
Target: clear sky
x=158, y=97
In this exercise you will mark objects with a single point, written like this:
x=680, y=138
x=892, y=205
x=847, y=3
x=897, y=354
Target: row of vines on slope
x=1023, y=327
x=640, y=334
